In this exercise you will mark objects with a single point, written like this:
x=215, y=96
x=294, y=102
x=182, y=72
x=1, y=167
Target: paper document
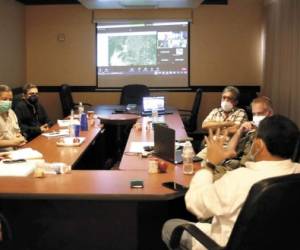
x=17, y=169
x=61, y=132
x=66, y=123
x=25, y=153
x=138, y=147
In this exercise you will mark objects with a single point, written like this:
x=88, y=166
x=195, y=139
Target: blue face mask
x=4, y=106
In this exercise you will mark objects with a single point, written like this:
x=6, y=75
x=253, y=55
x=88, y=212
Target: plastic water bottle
x=71, y=125
x=187, y=157
x=80, y=109
x=154, y=115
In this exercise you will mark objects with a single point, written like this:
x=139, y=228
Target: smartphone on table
x=175, y=186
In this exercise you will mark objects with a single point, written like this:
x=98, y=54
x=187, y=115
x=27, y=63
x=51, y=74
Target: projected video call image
x=158, y=51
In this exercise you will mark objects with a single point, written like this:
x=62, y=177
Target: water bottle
x=71, y=125
x=80, y=109
x=154, y=115
x=187, y=157
x=83, y=122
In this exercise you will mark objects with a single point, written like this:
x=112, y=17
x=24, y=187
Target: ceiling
x=111, y=4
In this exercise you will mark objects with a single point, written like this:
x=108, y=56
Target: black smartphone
x=148, y=148
x=175, y=186
x=136, y=183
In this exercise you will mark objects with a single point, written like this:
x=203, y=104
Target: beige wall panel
x=225, y=43
x=51, y=61
x=12, y=43
x=51, y=102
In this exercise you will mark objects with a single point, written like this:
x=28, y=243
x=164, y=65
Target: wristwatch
x=210, y=165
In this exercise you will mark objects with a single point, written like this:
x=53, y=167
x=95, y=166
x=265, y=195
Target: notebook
x=154, y=103
x=164, y=144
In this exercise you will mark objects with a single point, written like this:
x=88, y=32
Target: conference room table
x=89, y=209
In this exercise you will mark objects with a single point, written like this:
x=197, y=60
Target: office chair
x=133, y=94
x=245, y=100
x=296, y=154
x=190, y=117
x=267, y=219
x=16, y=99
x=66, y=100
x=6, y=233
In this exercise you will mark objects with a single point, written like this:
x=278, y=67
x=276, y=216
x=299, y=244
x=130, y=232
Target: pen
x=13, y=161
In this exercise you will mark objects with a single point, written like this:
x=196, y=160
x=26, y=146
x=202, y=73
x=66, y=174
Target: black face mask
x=33, y=99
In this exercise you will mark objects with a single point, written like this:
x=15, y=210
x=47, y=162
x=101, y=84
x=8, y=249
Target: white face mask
x=257, y=119
x=226, y=106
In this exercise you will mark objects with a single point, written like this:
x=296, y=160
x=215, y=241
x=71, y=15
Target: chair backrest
x=66, y=99
x=245, y=102
x=16, y=99
x=192, y=123
x=269, y=216
x=133, y=94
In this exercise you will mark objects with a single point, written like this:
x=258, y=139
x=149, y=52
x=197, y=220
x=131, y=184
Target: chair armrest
x=184, y=110
x=198, y=134
x=196, y=233
x=6, y=229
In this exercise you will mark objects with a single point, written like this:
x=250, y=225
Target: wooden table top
x=99, y=184
x=104, y=184
x=68, y=155
x=131, y=161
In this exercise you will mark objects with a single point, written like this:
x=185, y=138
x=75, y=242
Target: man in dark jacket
x=32, y=117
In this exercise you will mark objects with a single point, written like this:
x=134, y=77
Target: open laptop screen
x=156, y=103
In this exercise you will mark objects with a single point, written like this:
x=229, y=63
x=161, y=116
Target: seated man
x=31, y=114
x=222, y=200
x=10, y=135
x=227, y=116
x=261, y=107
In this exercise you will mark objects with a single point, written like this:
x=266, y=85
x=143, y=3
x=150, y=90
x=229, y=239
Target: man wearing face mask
x=272, y=150
x=10, y=135
x=242, y=140
x=31, y=114
x=261, y=108
x=228, y=115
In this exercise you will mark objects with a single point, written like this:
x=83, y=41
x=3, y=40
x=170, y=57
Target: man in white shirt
x=222, y=200
x=10, y=135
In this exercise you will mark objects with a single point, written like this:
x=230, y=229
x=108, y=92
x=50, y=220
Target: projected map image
x=132, y=50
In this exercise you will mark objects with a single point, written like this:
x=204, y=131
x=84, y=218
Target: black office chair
x=296, y=154
x=190, y=117
x=245, y=100
x=267, y=220
x=6, y=233
x=133, y=94
x=16, y=99
x=66, y=100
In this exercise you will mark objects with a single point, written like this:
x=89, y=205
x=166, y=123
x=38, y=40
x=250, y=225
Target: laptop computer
x=154, y=103
x=164, y=144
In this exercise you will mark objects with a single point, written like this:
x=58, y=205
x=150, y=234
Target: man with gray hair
x=10, y=135
x=228, y=115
